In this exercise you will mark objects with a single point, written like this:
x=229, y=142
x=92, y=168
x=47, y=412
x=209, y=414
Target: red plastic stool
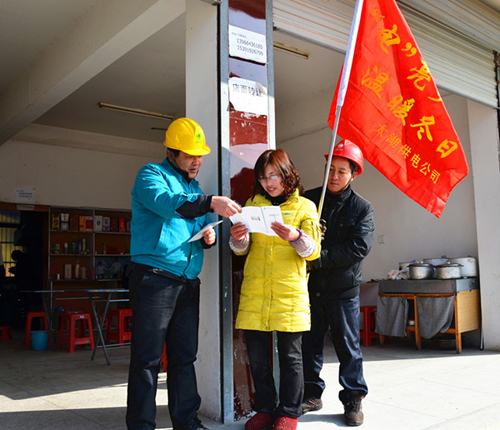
x=76, y=329
x=5, y=332
x=368, y=332
x=163, y=360
x=29, y=320
x=119, y=324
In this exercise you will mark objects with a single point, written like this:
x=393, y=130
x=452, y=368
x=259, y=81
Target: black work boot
x=353, y=413
x=311, y=404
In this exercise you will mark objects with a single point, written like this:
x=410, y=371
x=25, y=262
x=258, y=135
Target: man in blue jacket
x=168, y=208
x=334, y=285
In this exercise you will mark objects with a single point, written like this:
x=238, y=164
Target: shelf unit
x=87, y=245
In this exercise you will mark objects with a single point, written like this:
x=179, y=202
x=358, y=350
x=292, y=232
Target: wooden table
x=467, y=308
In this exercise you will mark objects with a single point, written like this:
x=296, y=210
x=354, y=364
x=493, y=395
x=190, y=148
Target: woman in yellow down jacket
x=274, y=293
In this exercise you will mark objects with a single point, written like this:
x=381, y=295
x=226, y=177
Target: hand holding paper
x=209, y=236
x=205, y=229
x=259, y=219
x=285, y=232
x=224, y=206
x=239, y=231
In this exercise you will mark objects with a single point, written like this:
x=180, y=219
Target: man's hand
x=224, y=206
x=285, y=231
x=209, y=236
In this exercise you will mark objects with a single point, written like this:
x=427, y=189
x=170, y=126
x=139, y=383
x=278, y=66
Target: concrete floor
x=409, y=389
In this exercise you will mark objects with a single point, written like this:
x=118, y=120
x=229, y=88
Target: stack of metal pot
x=469, y=267
x=443, y=268
x=421, y=270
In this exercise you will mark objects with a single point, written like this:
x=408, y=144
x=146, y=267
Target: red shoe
x=285, y=423
x=260, y=421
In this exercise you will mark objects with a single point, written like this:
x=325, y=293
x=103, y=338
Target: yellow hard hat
x=187, y=136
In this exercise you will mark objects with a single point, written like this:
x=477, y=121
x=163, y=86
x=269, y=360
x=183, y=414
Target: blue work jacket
x=159, y=234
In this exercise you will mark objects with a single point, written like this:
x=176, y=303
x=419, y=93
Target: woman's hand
x=209, y=236
x=239, y=231
x=285, y=231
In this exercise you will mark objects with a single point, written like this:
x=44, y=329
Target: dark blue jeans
x=341, y=317
x=291, y=388
x=165, y=310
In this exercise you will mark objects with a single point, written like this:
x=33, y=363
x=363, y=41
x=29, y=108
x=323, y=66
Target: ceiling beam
x=106, y=32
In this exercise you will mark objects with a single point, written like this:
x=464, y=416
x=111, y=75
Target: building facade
x=255, y=74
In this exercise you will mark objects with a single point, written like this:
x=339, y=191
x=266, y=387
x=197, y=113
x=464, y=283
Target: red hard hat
x=347, y=149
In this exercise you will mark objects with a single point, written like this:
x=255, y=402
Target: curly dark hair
x=284, y=166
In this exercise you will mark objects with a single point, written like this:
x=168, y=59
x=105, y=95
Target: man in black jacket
x=334, y=285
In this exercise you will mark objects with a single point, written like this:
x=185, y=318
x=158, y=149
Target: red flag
x=394, y=112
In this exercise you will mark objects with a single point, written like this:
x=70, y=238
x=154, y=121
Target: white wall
x=71, y=168
x=410, y=231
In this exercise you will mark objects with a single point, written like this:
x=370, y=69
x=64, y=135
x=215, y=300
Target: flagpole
x=346, y=72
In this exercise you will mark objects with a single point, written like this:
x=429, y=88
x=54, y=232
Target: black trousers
x=291, y=384
x=166, y=311
x=340, y=319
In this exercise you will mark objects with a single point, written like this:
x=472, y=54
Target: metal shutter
x=457, y=62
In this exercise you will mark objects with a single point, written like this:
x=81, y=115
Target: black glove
x=322, y=227
x=315, y=264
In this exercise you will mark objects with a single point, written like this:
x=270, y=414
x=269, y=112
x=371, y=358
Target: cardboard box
x=121, y=225
x=67, y=271
x=90, y=223
x=106, y=223
x=98, y=223
x=64, y=222
x=82, y=223
x=73, y=222
x=55, y=222
x=114, y=225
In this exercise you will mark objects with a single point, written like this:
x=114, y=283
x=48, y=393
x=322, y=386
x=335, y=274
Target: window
x=10, y=221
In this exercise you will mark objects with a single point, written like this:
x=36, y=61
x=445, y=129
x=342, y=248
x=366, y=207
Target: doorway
x=23, y=247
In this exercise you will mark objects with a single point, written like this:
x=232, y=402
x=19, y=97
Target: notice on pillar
x=247, y=44
x=248, y=96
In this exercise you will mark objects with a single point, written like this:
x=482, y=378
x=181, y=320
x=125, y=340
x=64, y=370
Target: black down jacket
x=347, y=241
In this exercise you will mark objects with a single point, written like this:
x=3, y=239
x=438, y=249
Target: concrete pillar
x=201, y=105
x=243, y=121
x=484, y=137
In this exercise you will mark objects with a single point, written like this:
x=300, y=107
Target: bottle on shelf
x=77, y=268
